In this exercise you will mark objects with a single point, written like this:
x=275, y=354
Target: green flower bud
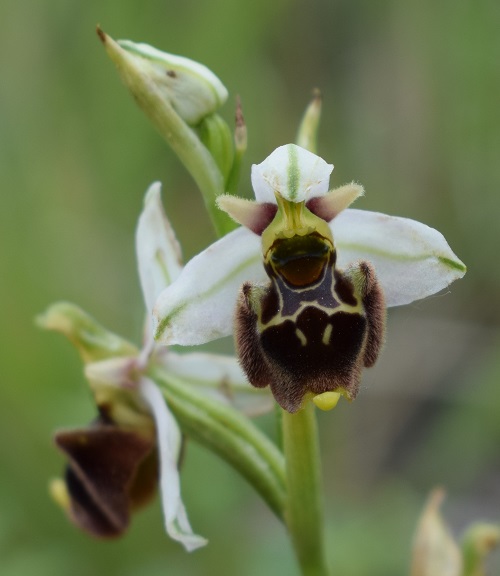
x=189, y=87
x=92, y=341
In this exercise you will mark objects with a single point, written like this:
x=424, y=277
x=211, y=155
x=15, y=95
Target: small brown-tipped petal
x=103, y=465
x=253, y=215
x=331, y=204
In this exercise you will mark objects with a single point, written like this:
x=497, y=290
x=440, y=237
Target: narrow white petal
x=295, y=173
x=220, y=377
x=169, y=445
x=411, y=260
x=158, y=252
x=199, y=305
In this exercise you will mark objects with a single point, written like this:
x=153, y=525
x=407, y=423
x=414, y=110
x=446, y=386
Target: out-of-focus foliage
x=411, y=92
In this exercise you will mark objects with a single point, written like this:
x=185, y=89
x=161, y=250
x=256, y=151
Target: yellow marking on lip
x=326, y=334
x=301, y=336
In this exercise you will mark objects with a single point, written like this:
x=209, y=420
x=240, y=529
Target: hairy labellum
x=312, y=328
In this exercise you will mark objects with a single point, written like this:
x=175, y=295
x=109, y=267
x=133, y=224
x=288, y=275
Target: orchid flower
x=316, y=276
x=114, y=462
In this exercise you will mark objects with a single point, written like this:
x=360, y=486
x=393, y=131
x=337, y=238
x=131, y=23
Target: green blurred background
x=411, y=110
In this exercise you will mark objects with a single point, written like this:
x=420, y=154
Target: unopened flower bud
x=189, y=87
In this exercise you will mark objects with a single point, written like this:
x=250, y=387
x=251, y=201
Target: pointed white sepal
x=169, y=445
x=158, y=252
x=293, y=172
x=411, y=260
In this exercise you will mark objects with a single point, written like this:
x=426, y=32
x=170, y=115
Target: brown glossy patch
x=300, y=260
x=103, y=466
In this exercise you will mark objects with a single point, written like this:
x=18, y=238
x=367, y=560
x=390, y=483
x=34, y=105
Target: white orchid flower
x=402, y=261
x=103, y=486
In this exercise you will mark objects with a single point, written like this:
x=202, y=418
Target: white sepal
x=157, y=249
x=411, y=260
x=169, y=446
x=293, y=172
x=199, y=305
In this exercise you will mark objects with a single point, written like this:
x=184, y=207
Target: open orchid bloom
x=309, y=279
x=114, y=464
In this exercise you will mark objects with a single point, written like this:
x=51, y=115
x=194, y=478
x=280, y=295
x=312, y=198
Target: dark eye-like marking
x=300, y=260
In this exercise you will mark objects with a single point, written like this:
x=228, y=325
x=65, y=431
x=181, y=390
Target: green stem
x=229, y=434
x=304, y=509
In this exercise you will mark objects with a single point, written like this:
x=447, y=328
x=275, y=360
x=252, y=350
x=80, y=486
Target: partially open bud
x=189, y=87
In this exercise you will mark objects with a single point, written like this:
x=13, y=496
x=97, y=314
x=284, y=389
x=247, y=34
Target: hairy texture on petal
x=293, y=172
x=199, y=306
x=158, y=252
x=253, y=215
x=330, y=205
x=411, y=260
x=364, y=279
x=103, y=467
x=247, y=341
x=315, y=340
x=169, y=447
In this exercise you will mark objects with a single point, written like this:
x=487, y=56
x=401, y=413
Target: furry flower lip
x=309, y=279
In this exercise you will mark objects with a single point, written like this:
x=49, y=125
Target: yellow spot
x=301, y=336
x=327, y=400
x=59, y=493
x=326, y=334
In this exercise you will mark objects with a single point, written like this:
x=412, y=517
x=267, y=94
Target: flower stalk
x=304, y=504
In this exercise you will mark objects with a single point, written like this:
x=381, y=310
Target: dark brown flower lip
x=110, y=471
